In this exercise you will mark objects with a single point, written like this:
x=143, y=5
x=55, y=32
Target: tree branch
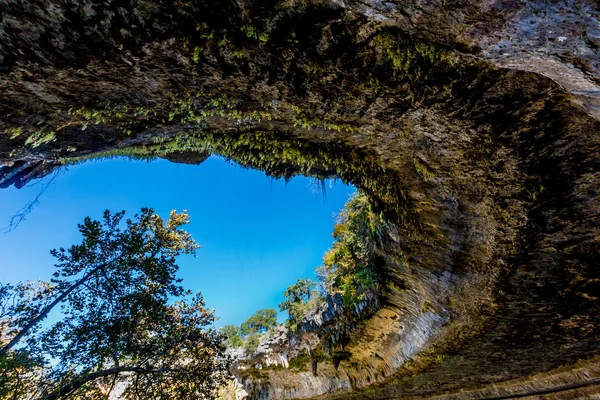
x=48, y=308
x=20, y=215
x=74, y=385
x=112, y=386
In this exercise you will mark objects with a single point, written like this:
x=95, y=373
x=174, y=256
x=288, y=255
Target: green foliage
x=147, y=153
x=196, y=55
x=412, y=58
x=314, y=69
x=239, y=53
x=12, y=367
x=253, y=33
x=263, y=37
x=125, y=319
x=301, y=291
x=233, y=335
x=37, y=137
x=14, y=131
x=262, y=321
x=18, y=362
x=348, y=267
x=251, y=344
x=422, y=170
x=249, y=333
x=250, y=31
x=439, y=358
x=300, y=362
x=299, y=298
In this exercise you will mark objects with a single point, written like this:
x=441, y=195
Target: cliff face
x=472, y=124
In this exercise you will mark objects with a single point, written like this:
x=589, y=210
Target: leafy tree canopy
x=300, y=291
x=260, y=322
x=233, y=335
x=296, y=297
x=124, y=319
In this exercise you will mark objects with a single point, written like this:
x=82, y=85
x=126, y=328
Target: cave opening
x=469, y=129
x=258, y=235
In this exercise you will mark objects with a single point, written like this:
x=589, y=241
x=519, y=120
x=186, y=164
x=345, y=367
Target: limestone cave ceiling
x=473, y=124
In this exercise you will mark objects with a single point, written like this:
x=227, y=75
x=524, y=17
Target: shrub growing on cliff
x=251, y=344
x=125, y=319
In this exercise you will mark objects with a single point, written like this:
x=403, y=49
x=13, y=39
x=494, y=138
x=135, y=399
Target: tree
x=18, y=363
x=297, y=296
x=124, y=319
x=300, y=291
x=349, y=266
x=232, y=333
x=260, y=322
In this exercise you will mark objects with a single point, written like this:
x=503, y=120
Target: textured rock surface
x=490, y=173
x=558, y=39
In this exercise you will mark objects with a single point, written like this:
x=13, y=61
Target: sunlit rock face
x=472, y=125
x=558, y=39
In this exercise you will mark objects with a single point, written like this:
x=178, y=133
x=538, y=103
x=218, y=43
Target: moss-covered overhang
x=491, y=174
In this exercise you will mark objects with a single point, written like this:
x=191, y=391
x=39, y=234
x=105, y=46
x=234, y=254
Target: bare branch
x=21, y=214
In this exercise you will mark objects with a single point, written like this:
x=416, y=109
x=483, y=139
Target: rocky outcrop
x=471, y=124
x=556, y=39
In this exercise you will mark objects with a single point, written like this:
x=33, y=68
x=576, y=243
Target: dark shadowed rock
x=187, y=157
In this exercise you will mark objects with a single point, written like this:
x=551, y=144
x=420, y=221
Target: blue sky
x=258, y=235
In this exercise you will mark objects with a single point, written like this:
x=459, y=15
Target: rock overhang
x=489, y=174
